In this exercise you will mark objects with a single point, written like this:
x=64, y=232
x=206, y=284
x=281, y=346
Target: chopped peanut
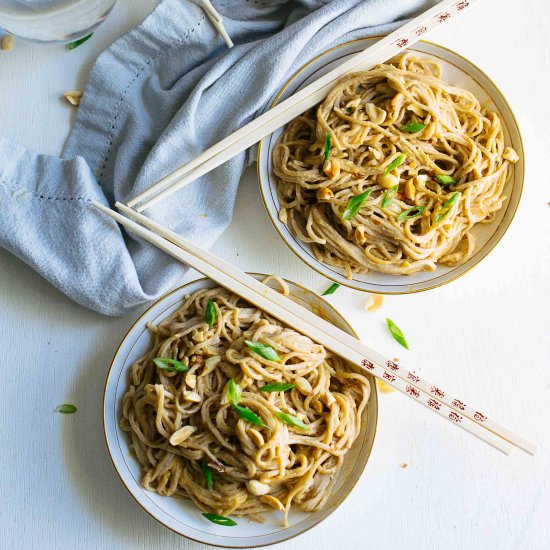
x=181, y=435
x=376, y=115
x=410, y=190
x=387, y=180
x=191, y=396
x=510, y=154
x=7, y=42
x=324, y=194
x=257, y=488
x=374, y=302
x=332, y=168
x=73, y=97
x=360, y=235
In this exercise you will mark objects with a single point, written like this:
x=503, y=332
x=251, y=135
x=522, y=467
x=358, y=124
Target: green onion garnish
x=234, y=392
x=263, y=350
x=207, y=472
x=411, y=213
x=331, y=289
x=397, y=161
x=66, y=409
x=80, y=41
x=397, y=333
x=350, y=111
x=219, y=520
x=246, y=414
x=210, y=313
x=355, y=204
x=277, y=386
x=170, y=365
x=446, y=207
x=445, y=180
x=327, y=146
x=291, y=420
x=413, y=127
x=389, y=195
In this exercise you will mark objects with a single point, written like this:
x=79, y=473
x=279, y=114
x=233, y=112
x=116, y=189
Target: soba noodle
x=178, y=421
x=434, y=160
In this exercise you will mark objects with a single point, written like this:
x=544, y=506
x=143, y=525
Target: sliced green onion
x=445, y=180
x=207, y=472
x=234, y=392
x=80, y=41
x=246, y=414
x=331, y=289
x=397, y=333
x=291, y=420
x=263, y=350
x=355, y=204
x=170, y=365
x=398, y=161
x=219, y=520
x=66, y=409
x=277, y=386
x=210, y=313
x=350, y=111
x=389, y=195
x=447, y=206
x=327, y=146
x=410, y=213
x=413, y=127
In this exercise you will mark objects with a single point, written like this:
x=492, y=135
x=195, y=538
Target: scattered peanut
x=210, y=364
x=324, y=194
x=283, y=215
x=332, y=168
x=191, y=396
x=191, y=381
x=374, y=302
x=181, y=435
x=410, y=190
x=388, y=180
x=73, y=97
x=303, y=385
x=7, y=43
x=376, y=115
x=510, y=154
x=257, y=488
x=318, y=406
x=383, y=387
x=359, y=234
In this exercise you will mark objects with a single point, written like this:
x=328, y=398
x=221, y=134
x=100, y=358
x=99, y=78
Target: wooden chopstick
x=299, y=102
x=296, y=318
x=410, y=378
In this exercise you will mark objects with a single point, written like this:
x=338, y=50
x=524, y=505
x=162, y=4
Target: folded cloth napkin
x=155, y=99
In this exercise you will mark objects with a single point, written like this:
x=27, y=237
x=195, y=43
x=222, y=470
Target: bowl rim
x=487, y=248
x=374, y=392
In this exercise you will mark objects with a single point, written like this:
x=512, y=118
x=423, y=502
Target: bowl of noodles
x=230, y=428
x=403, y=178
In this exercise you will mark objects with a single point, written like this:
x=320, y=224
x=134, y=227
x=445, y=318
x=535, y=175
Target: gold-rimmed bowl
x=456, y=70
x=182, y=516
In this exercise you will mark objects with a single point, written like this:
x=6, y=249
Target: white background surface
x=484, y=336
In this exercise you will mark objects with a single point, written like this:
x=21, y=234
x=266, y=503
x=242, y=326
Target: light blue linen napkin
x=155, y=99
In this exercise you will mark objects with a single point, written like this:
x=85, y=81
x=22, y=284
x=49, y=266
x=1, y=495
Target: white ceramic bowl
x=181, y=515
x=457, y=70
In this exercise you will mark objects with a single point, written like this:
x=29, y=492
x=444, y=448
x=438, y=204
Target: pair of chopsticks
x=346, y=346
x=284, y=112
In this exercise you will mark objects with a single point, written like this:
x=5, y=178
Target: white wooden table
x=58, y=489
